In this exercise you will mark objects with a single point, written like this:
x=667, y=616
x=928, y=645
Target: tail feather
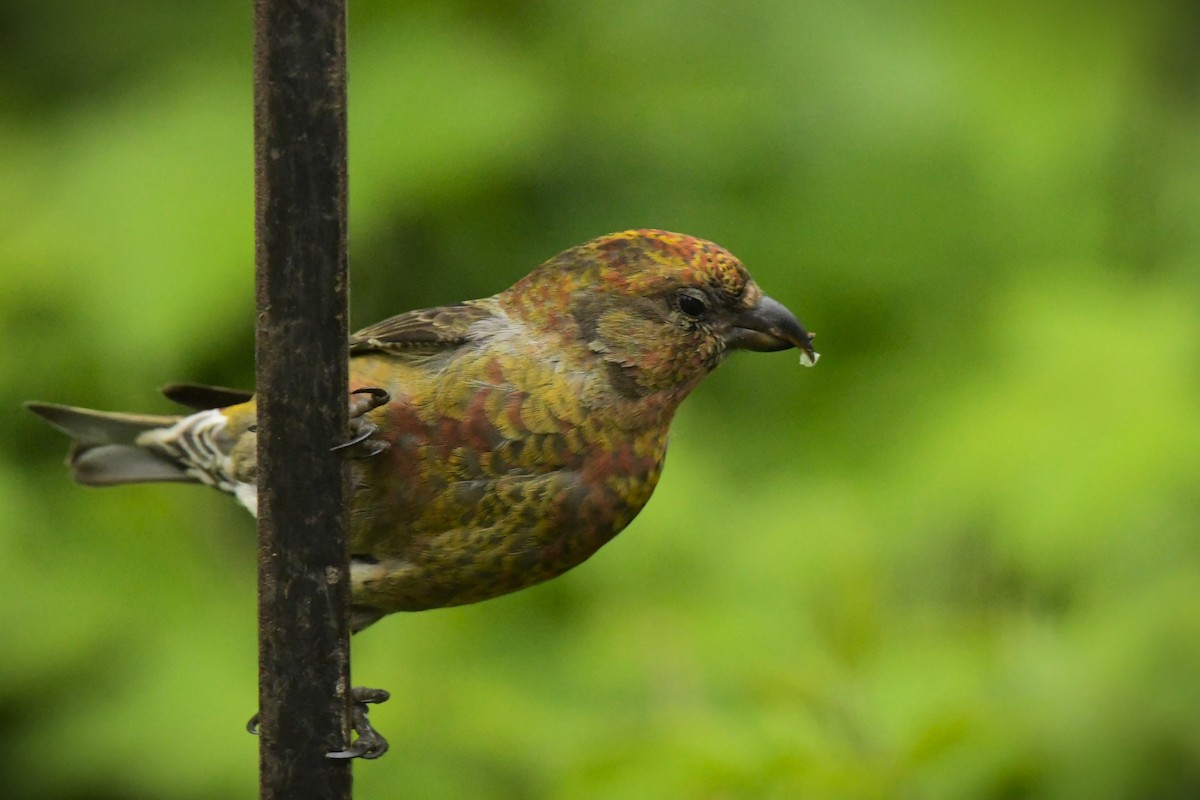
x=200, y=397
x=105, y=449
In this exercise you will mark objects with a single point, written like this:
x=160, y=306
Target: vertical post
x=300, y=254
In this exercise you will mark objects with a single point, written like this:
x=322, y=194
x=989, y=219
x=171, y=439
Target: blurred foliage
x=960, y=559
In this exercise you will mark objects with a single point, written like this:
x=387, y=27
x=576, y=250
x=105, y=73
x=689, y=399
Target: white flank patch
x=247, y=495
x=196, y=442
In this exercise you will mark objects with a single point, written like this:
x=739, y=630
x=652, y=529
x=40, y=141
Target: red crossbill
x=510, y=437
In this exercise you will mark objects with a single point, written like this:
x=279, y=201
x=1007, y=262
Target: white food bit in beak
x=807, y=360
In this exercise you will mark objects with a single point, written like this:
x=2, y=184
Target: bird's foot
x=369, y=744
x=360, y=444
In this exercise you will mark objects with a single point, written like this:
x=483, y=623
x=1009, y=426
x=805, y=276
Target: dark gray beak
x=768, y=327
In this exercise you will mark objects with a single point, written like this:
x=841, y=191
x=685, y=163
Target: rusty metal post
x=300, y=254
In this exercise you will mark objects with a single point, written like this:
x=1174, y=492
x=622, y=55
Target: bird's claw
x=362, y=429
x=369, y=398
x=369, y=744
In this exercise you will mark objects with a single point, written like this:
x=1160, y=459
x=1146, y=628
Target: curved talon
x=365, y=694
x=378, y=393
x=252, y=725
x=376, y=398
x=361, y=428
x=374, y=448
x=369, y=744
x=364, y=431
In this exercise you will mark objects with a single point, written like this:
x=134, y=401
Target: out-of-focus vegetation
x=959, y=559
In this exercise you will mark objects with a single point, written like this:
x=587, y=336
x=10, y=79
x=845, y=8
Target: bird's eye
x=692, y=303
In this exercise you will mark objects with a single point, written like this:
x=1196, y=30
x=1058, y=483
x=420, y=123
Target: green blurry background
x=959, y=559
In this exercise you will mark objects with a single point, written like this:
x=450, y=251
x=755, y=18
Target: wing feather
x=420, y=332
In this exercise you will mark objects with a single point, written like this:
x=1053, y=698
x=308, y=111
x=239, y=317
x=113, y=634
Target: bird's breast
x=491, y=487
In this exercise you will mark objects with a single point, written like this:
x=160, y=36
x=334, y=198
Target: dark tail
x=106, y=448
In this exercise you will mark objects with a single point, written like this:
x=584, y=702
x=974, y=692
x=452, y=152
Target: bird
x=500, y=441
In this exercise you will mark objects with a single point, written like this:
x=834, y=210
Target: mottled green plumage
x=523, y=430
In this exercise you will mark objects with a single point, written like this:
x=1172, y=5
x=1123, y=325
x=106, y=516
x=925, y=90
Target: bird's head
x=660, y=309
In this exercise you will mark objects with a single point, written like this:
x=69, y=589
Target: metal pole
x=300, y=254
